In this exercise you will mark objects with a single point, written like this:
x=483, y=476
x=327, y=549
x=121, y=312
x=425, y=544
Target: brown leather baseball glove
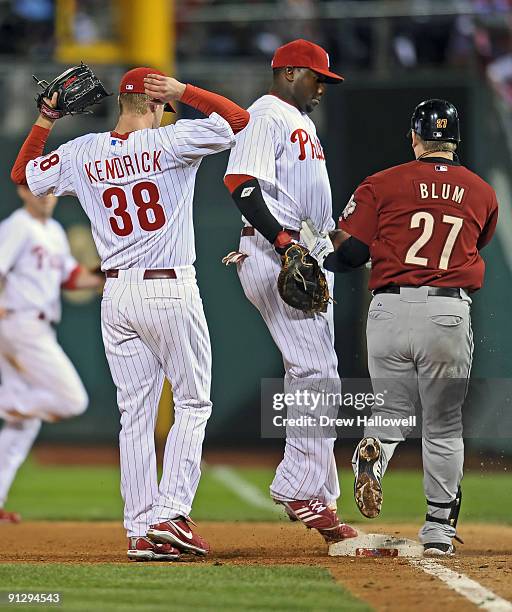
x=301, y=282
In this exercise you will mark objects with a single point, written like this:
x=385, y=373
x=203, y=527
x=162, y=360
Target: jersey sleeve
x=255, y=151
x=52, y=173
x=490, y=225
x=359, y=217
x=13, y=236
x=193, y=139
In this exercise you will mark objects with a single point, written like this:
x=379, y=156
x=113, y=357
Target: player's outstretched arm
x=35, y=142
x=349, y=254
x=167, y=89
x=82, y=278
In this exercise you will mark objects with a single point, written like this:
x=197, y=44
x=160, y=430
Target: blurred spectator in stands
x=94, y=21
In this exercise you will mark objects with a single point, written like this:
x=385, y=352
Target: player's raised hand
x=163, y=88
x=48, y=112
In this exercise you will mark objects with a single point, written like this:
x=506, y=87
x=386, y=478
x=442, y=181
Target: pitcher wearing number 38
x=136, y=185
x=423, y=224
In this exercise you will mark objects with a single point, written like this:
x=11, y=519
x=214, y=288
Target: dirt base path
x=386, y=584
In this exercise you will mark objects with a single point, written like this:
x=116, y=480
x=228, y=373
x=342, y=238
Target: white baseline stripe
x=244, y=489
x=468, y=588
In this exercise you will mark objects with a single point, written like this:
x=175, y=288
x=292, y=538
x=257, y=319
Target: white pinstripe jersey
x=280, y=147
x=34, y=261
x=137, y=190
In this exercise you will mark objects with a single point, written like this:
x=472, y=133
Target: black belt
x=148, y=274
x=439, y=291
x=248, y=230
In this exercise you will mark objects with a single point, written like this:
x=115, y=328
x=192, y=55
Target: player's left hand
x=163, y=88
x=319, y=245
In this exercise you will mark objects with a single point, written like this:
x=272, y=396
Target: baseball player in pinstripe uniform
x=136, y=185
x=278, y=177
x=39, y=381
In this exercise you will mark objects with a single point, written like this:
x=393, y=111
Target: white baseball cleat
x=438, y=549
x=368, y=477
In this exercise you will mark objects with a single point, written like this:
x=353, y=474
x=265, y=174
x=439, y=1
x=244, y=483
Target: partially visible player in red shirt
x=423, y=225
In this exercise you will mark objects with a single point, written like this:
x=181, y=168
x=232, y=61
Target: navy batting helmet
x=436, y=120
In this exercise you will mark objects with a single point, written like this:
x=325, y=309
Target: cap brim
x=331, y=77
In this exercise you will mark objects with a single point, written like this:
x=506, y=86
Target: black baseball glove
x=77, y=89
x=301, y=282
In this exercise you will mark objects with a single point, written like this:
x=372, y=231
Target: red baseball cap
x=301, y=53
x=133, y=82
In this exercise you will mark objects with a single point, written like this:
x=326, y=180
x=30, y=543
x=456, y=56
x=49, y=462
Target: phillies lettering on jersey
x=303, y=139
x=35, y=261
x=137, y=189
x=280, y=147
x=422, y=228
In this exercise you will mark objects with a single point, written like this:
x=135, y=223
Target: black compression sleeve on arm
x=351, y=254
x=252, y=206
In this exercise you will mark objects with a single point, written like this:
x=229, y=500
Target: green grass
x=149, y=587
x=404, y=500
x=92, y=493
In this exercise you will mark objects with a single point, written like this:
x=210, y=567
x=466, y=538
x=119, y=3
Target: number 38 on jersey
x=150, y=214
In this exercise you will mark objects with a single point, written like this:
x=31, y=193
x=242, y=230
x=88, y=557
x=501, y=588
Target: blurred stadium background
x=393, y=53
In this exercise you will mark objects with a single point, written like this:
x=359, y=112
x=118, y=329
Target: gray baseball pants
x=419, y=352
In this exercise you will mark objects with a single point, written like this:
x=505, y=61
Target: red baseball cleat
x=142, y=549
x=9, y=517
x=316, y=515
x=179, y=533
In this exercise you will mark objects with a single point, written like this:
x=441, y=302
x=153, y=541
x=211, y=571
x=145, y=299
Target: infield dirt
x=386, y=584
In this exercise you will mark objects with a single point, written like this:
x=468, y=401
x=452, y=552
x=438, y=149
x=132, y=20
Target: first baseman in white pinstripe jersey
x=136, y=185
x=277, y=177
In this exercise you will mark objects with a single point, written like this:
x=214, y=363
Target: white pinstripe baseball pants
x=16, y=440
x=152, y=329
x=308, y=468
x=38, y=378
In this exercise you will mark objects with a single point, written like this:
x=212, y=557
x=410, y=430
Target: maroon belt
x=148, y=274
x=248, y=230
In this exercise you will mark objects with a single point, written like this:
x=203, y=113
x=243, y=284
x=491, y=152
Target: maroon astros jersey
x=424, y=222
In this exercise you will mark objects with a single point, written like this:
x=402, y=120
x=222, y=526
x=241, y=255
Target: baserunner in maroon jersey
x=423, y=225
